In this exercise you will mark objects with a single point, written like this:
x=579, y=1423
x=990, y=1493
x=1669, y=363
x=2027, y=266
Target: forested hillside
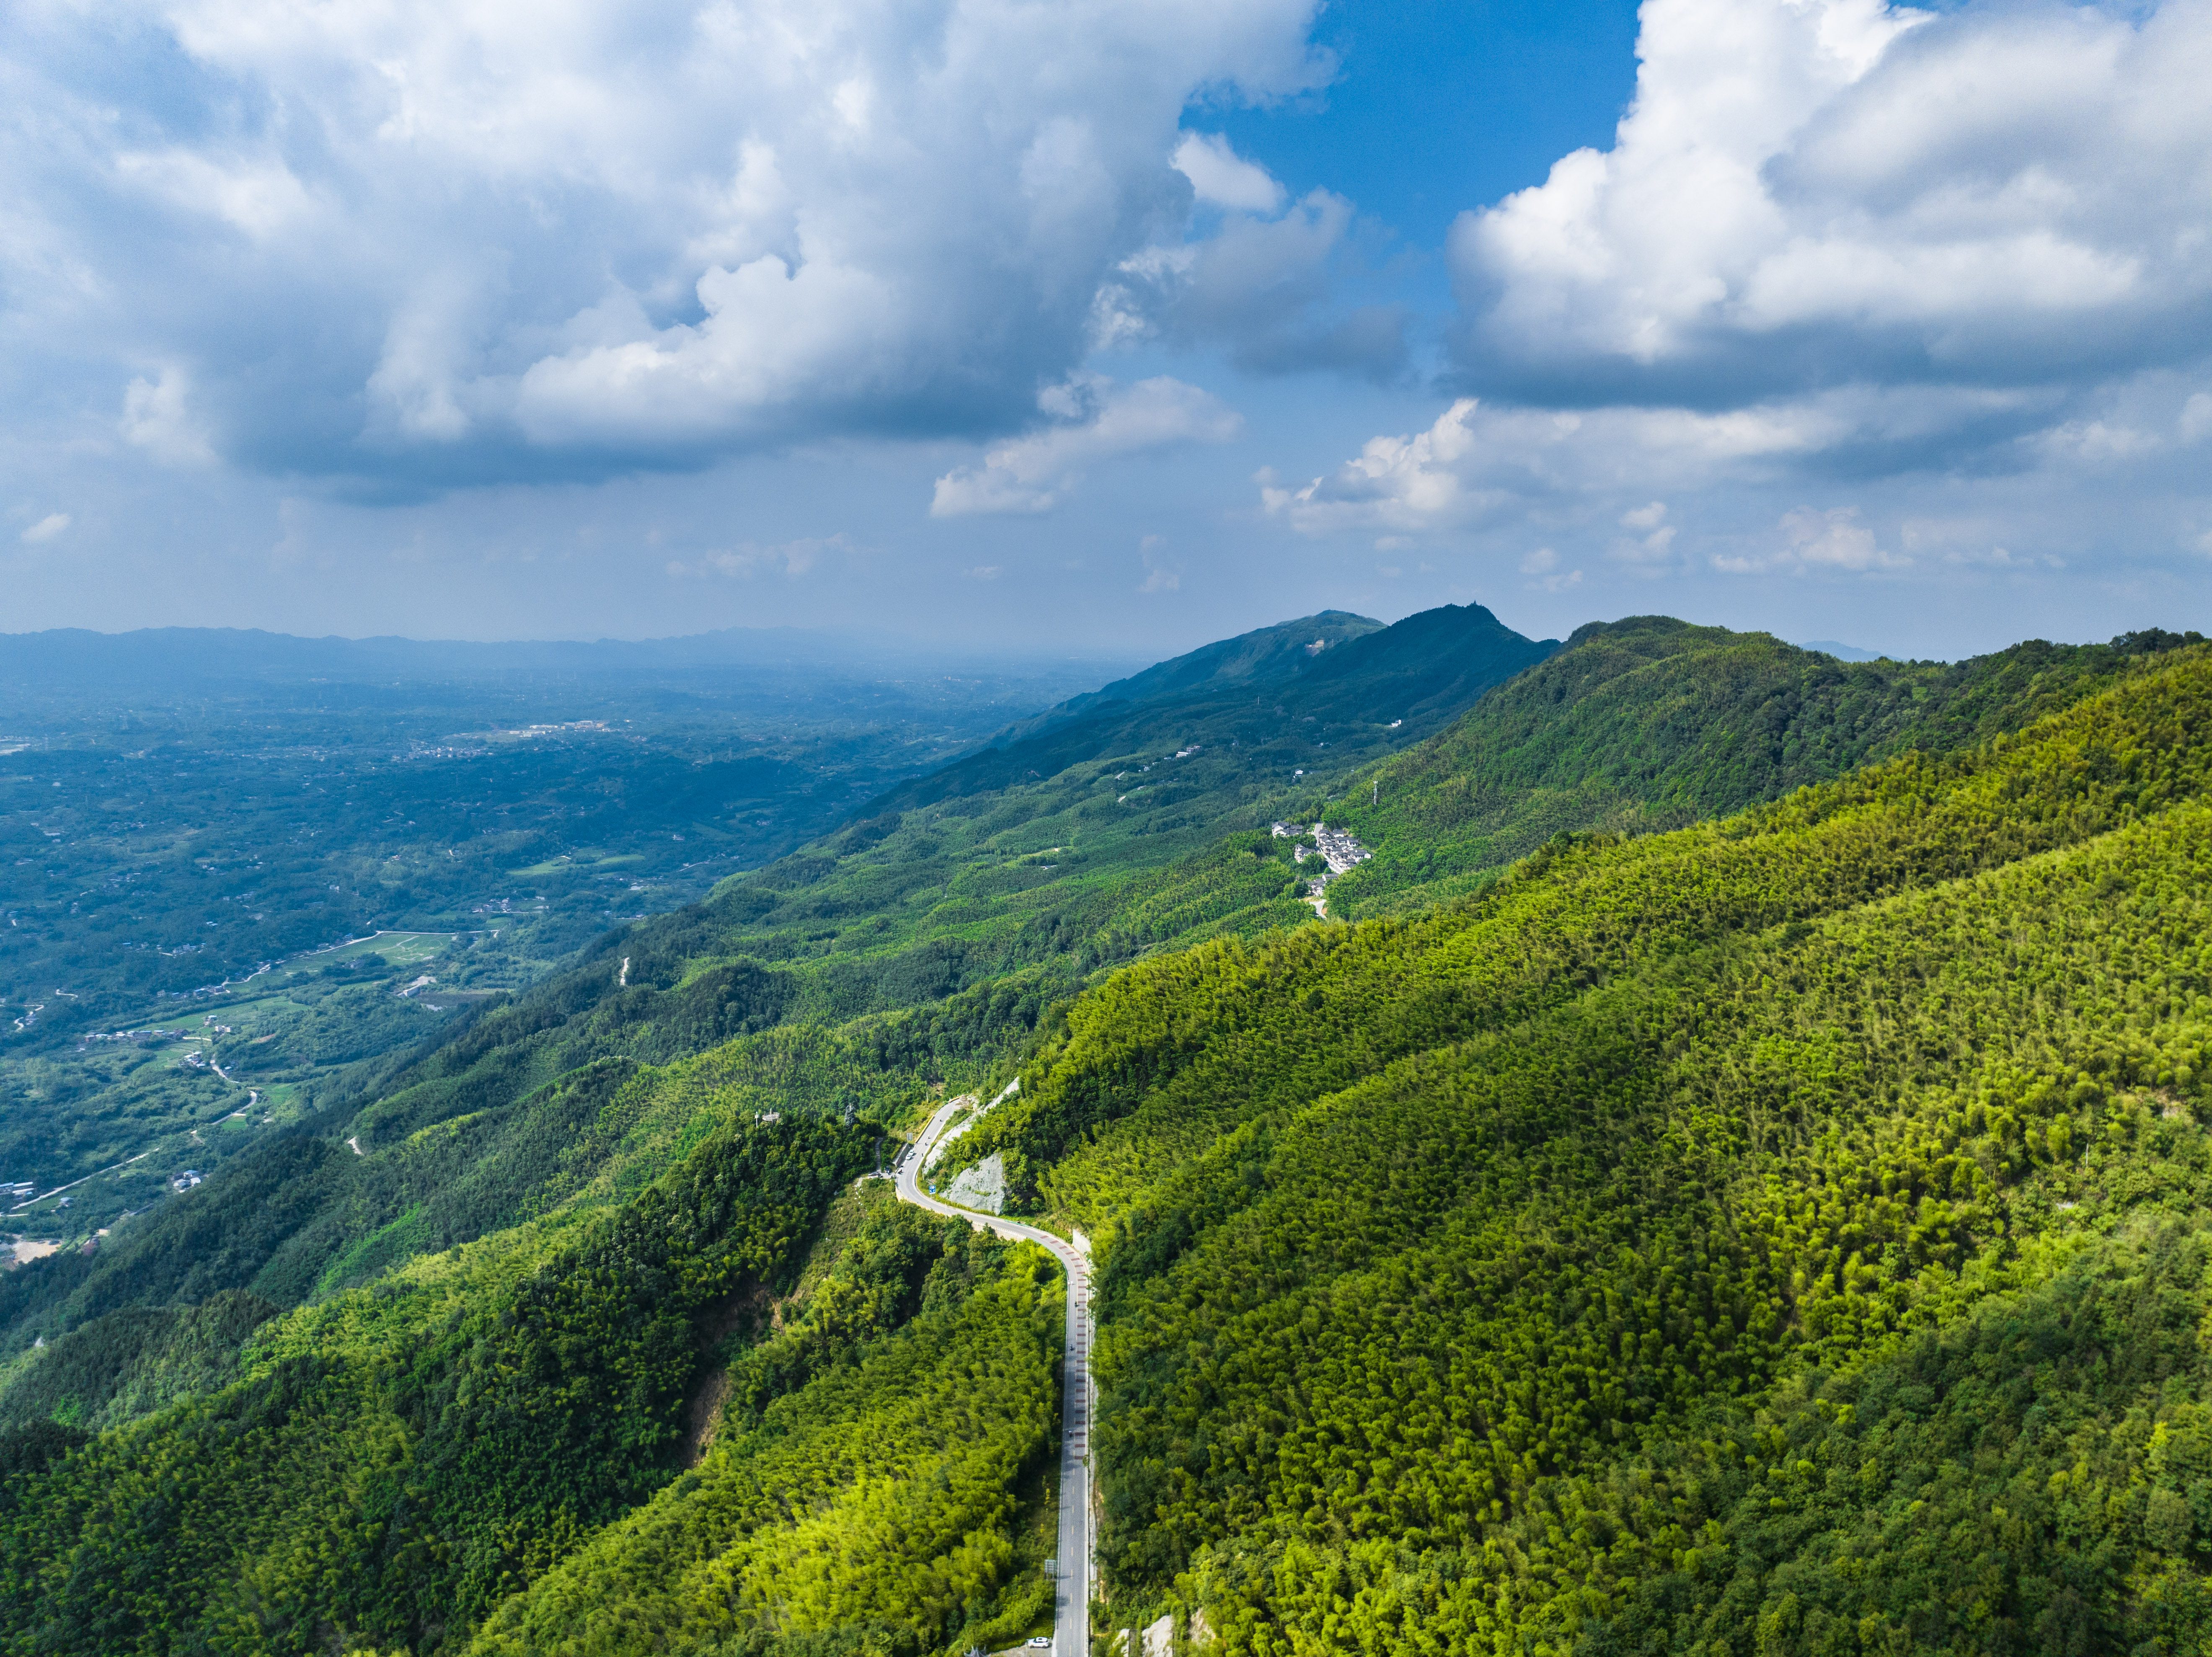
x=393, y=1463
x=1632, y=1255
x=1651, y=724
x=921, y=947
x=910, y=948
x=1756, y=1230
x=1311, y=697
x=1250, y=660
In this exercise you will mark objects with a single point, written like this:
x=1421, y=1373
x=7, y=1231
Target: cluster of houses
x=1338, y=850
x=151, y=1033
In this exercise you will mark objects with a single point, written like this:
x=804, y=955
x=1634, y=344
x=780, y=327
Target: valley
x=240, y=875
x=1723, y=1173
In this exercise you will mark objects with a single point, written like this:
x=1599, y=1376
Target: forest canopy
x=1752, y=1204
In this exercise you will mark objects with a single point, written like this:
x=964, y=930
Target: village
x=1340, y=851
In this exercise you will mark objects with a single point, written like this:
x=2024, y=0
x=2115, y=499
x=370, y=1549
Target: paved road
x=1070, y=1631
x=74, y=1184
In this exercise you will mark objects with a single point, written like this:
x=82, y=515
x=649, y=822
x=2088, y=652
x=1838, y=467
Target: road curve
x=1071, y=1631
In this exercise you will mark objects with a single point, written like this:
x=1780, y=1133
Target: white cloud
x=46, y=529
x=1967, y=540
x=1928, y=264
x=1479, y=459
x=440, y=241
x=1835, y=539
x=1811, y=542
x=1218, y=175
x=792, y=559
x=2196, y=421
x=1406, y=482
x=1159, y=576
x=155, y=417
x=1807, y=192
x=1263, y=286
x=1651, y=538
x=1542, y=567
x=257, y=195
x=2099, y=441
x=1092, y=419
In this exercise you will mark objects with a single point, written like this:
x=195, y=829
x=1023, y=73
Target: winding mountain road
x=1070, y=1632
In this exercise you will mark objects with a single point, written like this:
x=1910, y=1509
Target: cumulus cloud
x=1219, y=176
x=53, y=523
x=451, y=240
x=1263, y=282
x=1545, y=575
x=1425, y=481
x=1846, y=266
x=1810, y=540
x=1803, y=195
x=1091, y=419
x=1650, y=541
x=1666, y=491
x=1160, y=576
x=1479, y=460
x=2196, y=423
x=156, y=417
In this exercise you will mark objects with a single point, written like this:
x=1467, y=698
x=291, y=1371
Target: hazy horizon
x=854, y=638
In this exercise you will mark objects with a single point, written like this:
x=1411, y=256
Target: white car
x=1039, y=1639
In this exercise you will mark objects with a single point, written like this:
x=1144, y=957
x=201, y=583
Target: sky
x=1105, y=325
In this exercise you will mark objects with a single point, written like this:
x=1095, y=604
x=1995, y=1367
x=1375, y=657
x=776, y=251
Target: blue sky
x=1106, y=327
x=1437, y=105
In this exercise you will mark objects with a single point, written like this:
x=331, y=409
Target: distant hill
x=1363, y=686
x=1843, y=652
x=1255, y=658
x=62, y=660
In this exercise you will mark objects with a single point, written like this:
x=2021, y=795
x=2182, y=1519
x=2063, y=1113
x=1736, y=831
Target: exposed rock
x=983, y=1187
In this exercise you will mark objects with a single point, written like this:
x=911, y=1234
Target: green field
x=399, y=948
x=561, y=865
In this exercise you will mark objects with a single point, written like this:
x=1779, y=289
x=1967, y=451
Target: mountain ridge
x=1417, y=671
x=1262, y=654
x=1606, y=1255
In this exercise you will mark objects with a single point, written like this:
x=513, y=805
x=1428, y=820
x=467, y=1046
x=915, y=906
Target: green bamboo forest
x=1726, y=1177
